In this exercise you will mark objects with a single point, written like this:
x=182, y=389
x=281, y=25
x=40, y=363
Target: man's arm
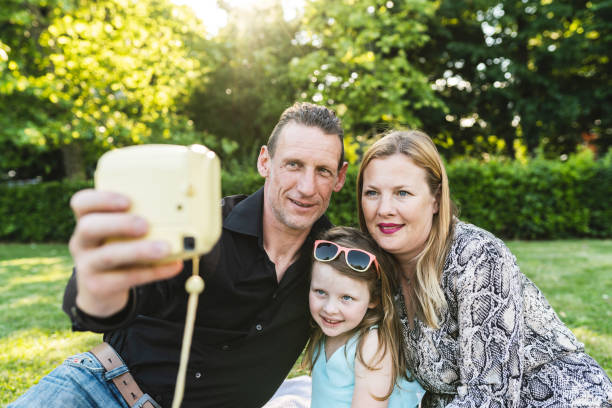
x=106, y=271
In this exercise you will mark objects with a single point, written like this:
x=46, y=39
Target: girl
x=354, y=351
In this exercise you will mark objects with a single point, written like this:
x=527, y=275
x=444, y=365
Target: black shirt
x=249, y=328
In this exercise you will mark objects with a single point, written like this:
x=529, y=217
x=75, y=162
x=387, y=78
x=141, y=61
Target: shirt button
x=259, y=327
x=198, y=374
x=274, y=296
x=225, y=347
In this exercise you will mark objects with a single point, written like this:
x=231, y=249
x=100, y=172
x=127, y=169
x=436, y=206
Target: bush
x=542, y=199
x=37, y=212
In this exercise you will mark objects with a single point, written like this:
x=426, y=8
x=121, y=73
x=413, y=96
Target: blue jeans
x=80, y=381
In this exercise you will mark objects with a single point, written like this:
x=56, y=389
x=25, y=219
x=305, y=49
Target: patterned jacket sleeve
x=487, y=287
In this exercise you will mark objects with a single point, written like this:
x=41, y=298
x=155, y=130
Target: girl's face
x=338, y=303
x=398, y=206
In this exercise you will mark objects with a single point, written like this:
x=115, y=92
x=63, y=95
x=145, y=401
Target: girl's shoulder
x=371, y=351
x=369, y=345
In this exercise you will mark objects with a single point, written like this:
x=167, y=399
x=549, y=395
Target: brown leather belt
x=125, y=383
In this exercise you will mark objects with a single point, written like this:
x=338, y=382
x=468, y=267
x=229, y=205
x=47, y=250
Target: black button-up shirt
x=249, y=328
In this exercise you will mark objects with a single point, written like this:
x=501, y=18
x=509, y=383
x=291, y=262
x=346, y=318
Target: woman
x=477, y=332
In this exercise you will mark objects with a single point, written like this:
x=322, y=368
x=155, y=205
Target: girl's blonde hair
x=382, y=315
x=428, y=298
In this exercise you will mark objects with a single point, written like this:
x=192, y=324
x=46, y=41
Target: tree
x=359, y=60
x=532, y=71
x=249, y=86
x=91, y=76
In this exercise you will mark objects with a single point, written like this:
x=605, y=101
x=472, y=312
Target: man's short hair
x=308, y=114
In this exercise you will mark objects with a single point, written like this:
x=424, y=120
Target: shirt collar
x=247, y=218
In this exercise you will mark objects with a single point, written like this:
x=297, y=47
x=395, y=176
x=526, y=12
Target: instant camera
x=177, y=189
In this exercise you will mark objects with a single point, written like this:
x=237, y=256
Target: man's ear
x=341, y=177
x=263, y=162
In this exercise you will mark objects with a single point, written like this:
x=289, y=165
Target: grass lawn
x=35, y=335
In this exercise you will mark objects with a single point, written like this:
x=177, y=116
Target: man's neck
x=282, y=245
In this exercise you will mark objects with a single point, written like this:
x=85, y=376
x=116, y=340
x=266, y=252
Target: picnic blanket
x=293, y=393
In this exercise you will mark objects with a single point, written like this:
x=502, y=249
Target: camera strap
x=194, y=286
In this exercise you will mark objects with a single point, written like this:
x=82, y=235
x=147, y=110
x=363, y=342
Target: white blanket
x=293, y=393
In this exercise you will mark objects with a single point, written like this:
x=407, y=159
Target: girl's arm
x=372, y=383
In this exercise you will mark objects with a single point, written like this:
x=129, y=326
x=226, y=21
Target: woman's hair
x=428, y=299
x=381, y=291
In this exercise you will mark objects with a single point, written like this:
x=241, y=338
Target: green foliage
x=532, y=70
x=343, y=204
x=358, y=60
x=542, y=199
x=96, y=75
x=37, y=212
x=248, y=87
x=483, y=77
x=240, y=180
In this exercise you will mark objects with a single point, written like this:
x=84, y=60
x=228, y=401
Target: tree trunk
x=74, y=169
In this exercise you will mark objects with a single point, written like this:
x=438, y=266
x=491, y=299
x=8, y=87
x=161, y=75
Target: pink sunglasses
x=357, y=259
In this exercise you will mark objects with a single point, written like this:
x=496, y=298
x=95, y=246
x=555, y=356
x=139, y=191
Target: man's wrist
x=84, y=321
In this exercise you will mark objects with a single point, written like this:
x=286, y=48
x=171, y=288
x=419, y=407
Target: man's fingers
x=93, y=229
x=114, y=281
x=89, y=200
x=124, y=254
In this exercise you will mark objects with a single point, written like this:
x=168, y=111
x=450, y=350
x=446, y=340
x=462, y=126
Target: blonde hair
x=382, y=315
x=428, y=298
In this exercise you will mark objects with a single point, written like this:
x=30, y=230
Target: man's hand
x=105, y=272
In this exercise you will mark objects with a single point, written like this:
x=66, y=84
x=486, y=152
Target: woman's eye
x=319, y=292
x=369, y=193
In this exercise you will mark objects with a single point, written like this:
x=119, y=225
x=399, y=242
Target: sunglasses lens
x=358, y=259
x=325, y=251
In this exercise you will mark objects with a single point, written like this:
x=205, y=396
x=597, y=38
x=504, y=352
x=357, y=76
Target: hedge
x=542, y=199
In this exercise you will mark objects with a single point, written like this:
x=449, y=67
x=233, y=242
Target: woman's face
x=398, y=206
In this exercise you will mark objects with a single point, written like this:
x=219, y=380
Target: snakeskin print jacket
x=496, y=332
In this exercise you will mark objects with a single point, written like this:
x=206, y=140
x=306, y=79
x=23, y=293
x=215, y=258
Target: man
x=252, y=318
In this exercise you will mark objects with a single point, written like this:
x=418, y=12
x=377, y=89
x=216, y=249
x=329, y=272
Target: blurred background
x=510, y=78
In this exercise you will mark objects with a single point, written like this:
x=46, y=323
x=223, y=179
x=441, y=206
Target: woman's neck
x=408, y=268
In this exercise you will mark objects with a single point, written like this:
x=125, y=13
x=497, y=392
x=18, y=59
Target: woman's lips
x=389, y=228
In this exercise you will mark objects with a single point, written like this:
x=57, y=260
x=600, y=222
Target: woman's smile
x=387, y=228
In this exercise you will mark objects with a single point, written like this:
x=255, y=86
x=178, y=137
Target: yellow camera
x=177, y=189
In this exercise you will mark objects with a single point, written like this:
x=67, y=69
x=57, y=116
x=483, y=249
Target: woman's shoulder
x=472, y=248
x=470, y=240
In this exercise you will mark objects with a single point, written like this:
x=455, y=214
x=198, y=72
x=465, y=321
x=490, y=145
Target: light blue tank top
x=333, y=381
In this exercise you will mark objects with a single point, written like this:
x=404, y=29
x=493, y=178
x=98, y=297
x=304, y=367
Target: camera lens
x=189, y=243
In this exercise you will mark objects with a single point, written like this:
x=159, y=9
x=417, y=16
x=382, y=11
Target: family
x=415, y=308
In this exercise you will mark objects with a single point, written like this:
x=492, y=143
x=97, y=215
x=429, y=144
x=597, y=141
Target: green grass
x=35, y=334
